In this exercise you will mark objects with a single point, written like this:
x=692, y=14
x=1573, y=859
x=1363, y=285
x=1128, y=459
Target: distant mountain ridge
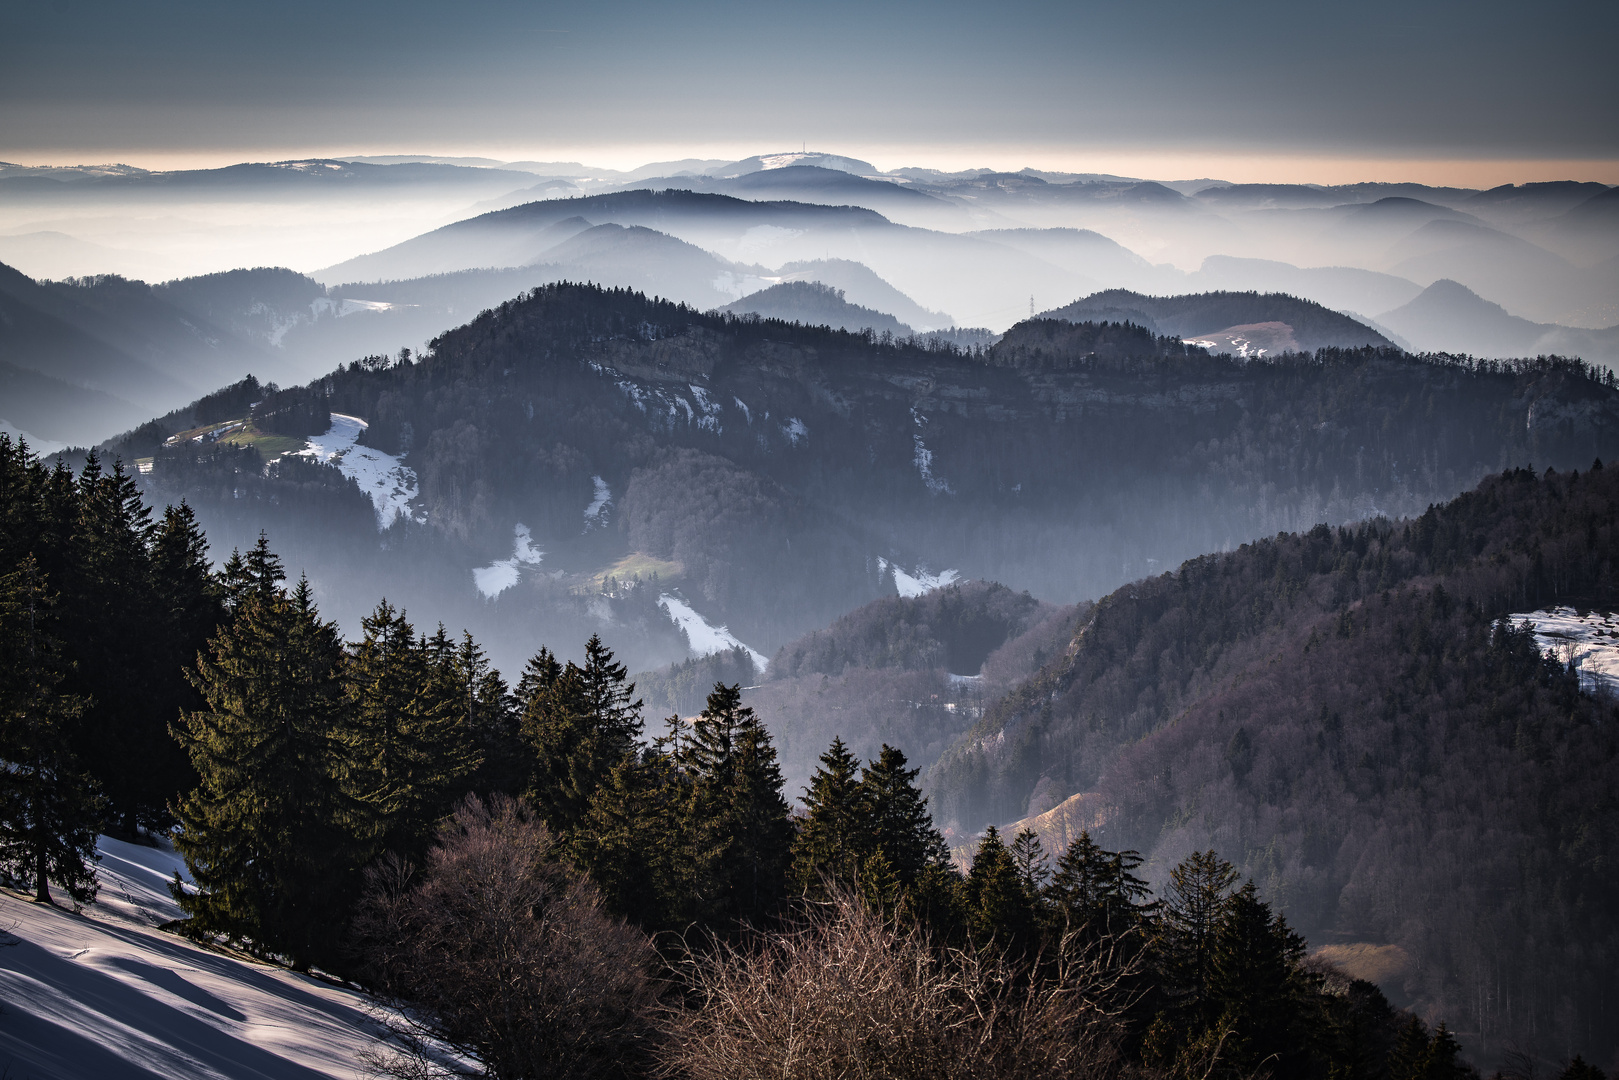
x=1449, y=316
x=1313, y=326
x=109, y=350
x=816, y=304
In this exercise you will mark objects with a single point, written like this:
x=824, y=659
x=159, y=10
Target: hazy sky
x=948, y=83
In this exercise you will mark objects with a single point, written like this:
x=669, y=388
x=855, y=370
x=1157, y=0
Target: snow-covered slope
x=1589, y=641
x=705, y=637
x=104, y=995
x=387, y=482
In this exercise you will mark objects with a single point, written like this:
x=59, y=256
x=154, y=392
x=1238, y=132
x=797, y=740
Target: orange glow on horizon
x=1181, y=163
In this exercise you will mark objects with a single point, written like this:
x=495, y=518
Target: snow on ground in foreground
x=105, y=996
x=706, y=638
x=390, y=484
x=497, y=577
x=1589, y=641
x=920, y=582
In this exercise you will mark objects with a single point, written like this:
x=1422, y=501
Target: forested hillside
x=1314, y=327
x=763, y=469
x=1346, y=713
x=501, y=866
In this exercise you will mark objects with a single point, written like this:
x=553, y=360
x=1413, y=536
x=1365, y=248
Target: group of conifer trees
x=101, y=608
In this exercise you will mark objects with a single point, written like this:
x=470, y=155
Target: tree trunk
x=42, y=887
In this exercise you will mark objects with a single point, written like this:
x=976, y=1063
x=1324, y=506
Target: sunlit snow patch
x=388, y=482
x=1590, y=642
x=920, y=582
x=706, y=638
x=596, y=512
x=497, y=577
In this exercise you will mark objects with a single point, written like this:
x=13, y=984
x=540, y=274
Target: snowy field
x=1590, y=642
x=706, y=638
x=498, y=576
x=919, y=583
x=105, y=996
x=388, y=482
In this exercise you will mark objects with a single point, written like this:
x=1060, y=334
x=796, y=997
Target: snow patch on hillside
x=923, y=460
x=1590, y=642
x=388, y=482
x=658, y=402
x=596, y=512
x=705, y=637
x=498, y=576
x=710, y=420
x=105, y=994
x=919, y=583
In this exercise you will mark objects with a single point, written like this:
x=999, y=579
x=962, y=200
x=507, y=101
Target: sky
x=1170, y=88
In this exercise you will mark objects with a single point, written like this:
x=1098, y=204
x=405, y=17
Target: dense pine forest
x=549, y=888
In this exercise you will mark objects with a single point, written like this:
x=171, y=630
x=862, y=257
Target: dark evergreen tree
x=112, y=627
x=738, y=822
x=901, y=827
x=1094, y=893
x=1579, y=1068
x=580, y=723
x=1194, y=905
x=256, y=574
x=1257, y=986
x=1409, y=1058
x=190, y=609
x=50, y=808
x=269, y=834
x=410, y=751
x=638, y=847
x=1445, y=1058
x=999, y=908
x=491, y=720
x=1033, y=867
x=834, y=837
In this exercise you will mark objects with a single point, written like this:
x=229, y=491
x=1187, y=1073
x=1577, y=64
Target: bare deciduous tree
x=501, y=959
x=846, y=994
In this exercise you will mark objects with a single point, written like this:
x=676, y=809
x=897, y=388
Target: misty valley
x=785, y=617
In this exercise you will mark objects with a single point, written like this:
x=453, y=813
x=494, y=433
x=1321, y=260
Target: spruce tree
x=833, y=838
x=1094, y=893
x=1257, y=986
x=1033, y=868
x=410, y=750
x=1194, y=904
x=737, y=820
x=1409, y=1058
x=112, y=629
x=901, y=827
x=998, y=907
x=1580, y=1069
x=50, y=808
x=556, y=729
x=636, y=843
x=580, y=723
x=269, y=834
x=491, y=721
x=189, y=608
